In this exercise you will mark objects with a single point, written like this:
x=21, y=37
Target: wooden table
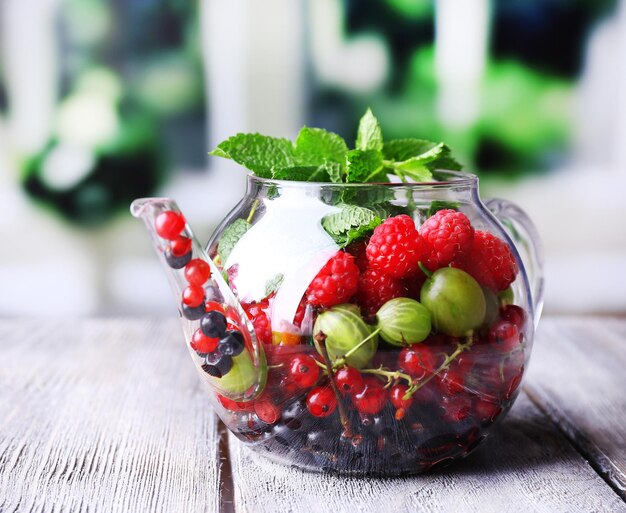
x=109, y=415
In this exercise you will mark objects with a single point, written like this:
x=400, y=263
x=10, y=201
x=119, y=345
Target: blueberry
x=294, y=415
x=193, y=313
x=217, y=364
x=232, y=344
x=213, y=293
x=213, y=324
x=284, y=436
x=177, y=262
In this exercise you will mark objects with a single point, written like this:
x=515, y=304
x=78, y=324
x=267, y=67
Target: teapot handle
x=524, y=234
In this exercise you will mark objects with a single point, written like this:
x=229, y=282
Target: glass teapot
x=362, y=329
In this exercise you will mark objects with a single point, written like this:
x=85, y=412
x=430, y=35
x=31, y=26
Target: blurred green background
x=103, y=101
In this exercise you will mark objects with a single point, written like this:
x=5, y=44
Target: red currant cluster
x=219, y=338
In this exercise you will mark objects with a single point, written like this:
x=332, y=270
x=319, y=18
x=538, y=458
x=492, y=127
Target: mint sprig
x=350, y=223
x=230, y=237
x=322, y=156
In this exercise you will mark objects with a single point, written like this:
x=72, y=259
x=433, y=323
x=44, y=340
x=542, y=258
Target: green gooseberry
x=455, y=300
x=492, y=306
x=242, y=376
x=345, y=330
x=403, y=321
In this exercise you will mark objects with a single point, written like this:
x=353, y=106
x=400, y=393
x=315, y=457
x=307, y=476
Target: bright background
x=102, y=101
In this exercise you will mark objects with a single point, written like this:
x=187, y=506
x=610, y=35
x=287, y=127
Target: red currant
x=180, y=246
x=349, y=380
x=371, y=400
x=321, y=401
x=231, y=405
x=266, y=410
x=287, y=388
x=397, y=399
x=486, y=411
x=456, y=408
x=418, y=360
x=197, y=271
x=514, y=314
x=504, y=335
x=210, y=306
x=193, y=296
x=452, y=380
x=304, y=371
x=169, y=224
x=203, y=344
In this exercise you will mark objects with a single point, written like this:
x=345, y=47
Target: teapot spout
x=218, y=333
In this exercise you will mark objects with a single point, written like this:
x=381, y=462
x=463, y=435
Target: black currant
x=193, y=313
x=177, y=262
x=213, y=324
x=232, y=344
x=217, y=364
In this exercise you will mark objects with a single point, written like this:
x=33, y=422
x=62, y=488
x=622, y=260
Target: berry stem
x=252, y=211
x=390, y=375
x=319, y=340
x=448, y=360
x=425, y=270
x=341, y=361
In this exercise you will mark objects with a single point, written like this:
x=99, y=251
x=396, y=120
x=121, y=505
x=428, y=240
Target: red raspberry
x=336, y=282
x=448, y=235
x=490, y=262
x=376, y=288
x=395, y=247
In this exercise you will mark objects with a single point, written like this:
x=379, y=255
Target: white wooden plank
x=103, y=415
x=578, y=376
x=526, y=466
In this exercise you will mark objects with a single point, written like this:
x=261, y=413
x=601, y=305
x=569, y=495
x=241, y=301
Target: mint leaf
x=364, y=166
x=273, y=284
x=315, y=146
x=335, y=171
x=416, y=158
x=259, y=153
x=403, y=149
x=303, y=174
x=369, y=135
x=350, y=223
x=230, y=237
x=438, y=205
x=445, y=161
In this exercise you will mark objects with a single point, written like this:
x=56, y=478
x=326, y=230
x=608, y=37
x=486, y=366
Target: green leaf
x=445, y=161
x=438, y=205
x=273, y=284
x=364, y=165
x=416, y=158
x=316, y=146
x=369, y=135
x=230, y=237
x=259, y=153
x=335, y=171
x=303, y=174
x=350, y=223
x=403, y=149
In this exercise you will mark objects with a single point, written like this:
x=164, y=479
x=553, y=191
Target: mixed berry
x=403, y=348
x=217, y=339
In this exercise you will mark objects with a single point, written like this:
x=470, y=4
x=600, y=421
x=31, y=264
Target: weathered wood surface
x=578, y=377
x=103, y=416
